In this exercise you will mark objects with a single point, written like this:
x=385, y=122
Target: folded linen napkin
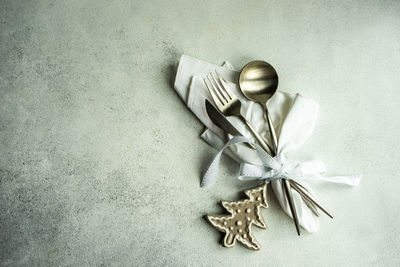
x=293, y=118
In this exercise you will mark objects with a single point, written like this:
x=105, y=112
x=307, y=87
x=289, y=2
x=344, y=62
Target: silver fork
x=229, y=105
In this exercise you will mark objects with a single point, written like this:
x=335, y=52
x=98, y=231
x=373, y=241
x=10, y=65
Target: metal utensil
x=307, y=195
x=287, y=189
x=229, y=104
x=258, y=81
x=309, y=203
x=220, y=120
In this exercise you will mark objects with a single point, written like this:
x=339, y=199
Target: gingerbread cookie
x=244, y=213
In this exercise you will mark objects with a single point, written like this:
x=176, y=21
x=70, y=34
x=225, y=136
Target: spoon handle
x=287, y=189
x=288, y=192
x=257, y=136
x=271, y=131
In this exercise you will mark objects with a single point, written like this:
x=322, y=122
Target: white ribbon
x=274, y=168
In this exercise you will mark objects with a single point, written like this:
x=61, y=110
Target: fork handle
x=304, y=192
x=309, y=203
x=257, y=136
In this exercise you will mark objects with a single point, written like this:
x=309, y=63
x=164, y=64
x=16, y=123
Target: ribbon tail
x=314, y=170
x=212, y=171
x=352, y=180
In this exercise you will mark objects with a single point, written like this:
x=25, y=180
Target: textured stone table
x=101, y=161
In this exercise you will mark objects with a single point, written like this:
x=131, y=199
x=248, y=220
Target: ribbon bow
x=274, y=168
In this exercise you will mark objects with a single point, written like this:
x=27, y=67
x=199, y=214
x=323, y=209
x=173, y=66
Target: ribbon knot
x=283, y=171
x=274, y=168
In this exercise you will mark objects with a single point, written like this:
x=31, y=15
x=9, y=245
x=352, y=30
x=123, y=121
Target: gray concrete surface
x=101, y=161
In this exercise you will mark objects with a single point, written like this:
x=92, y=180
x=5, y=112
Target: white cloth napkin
x=293, y=118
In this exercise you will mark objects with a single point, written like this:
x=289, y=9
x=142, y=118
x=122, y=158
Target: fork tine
x=225, y=86
x=213, y=95
x=224, y=100
x=217, y=88
x=221, y=89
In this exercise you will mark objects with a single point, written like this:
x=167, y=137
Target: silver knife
x=218, y=119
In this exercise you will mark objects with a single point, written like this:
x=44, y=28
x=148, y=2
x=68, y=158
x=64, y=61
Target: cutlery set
x=258, y=81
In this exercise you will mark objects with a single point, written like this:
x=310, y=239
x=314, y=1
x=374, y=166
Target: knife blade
x=220, y=120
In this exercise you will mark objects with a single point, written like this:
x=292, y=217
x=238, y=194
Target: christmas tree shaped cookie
x=244, y=213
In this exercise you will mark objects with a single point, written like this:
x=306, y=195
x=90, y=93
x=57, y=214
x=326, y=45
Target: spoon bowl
x=258, y=81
